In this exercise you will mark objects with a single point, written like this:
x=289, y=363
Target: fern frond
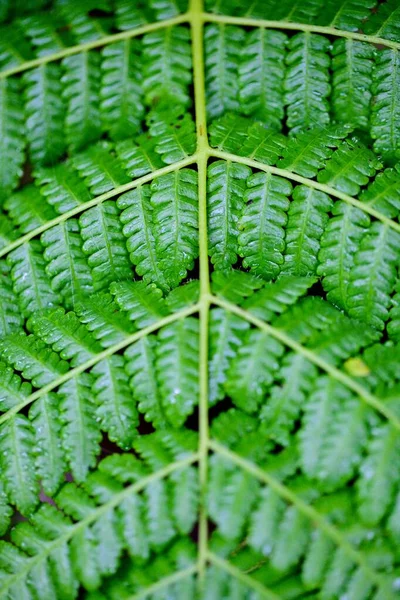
x=12, y=145
x=10, y=318
x=307, y=81
x=345, y=14
x=385, y=117
x=349, y=167
x=45, y=112
x=48, y=452
x=252, y=370
x=30, y=356
x=27, y=210
x=80, y=429
x=373, y=275
x=65, y=334
x=307, y=220
x=61, y=187
x=175, y=131
x=101, y=316
x=67, y=266
x=144, y=304
x=174, y=201
x=226, y=186
x=384, y=22
x=263, y=144
x=383, y=193
x=104, y=245
x=29, y=280
x=139, y=157
x=116, y=407
x=229, y=132
x=331, y=414
x=81, y=92
x=235, y=285
x=339, y=243
x=393, y=326
x=307, y=152
x=352, y=65
x=261, y=238
x=223, y=45
x=176, y=366
x=167, y=64
x=100, y=169
x=261, y=74
x=378, y=476
x=226, y=334
x=18, y=467
x=137, y=218
x=274, y=298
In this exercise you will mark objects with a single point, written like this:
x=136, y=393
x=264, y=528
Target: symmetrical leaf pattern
x=200, y=299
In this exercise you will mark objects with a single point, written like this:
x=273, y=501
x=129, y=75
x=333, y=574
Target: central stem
x=196, y=22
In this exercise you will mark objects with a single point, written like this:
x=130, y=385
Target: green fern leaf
x=383, y=193
x=50, y=463
x=378, y=475
x=175, y=131
x=29, y=279
x=61, y=187
x=351, y=87
x=229, y=132
x=144, y=304
x=307, y=81
x=385, y=117
x=174, y=201
x=137, y=218
x=101, y=316
x=223, y=47
x=282, y=405
x=261, y=75
x=81, y=92
x=10, y=318
x=121, y=102
x=116, y=407
x=167, y=64
x=45, y=113
x=104, y=245
x=27, y=209
x=350, y=167
x=100, y=170
x=338, y=246
x=140, y=367
x=261, y=238
x=263, y=144
x=65, y=334
x=29, y=355
x=18, y=467
x=12, y=144
x=226, y=334
x=307, y=220
x=393, y=326
x=139, y=157
x=384, y=22
x=226, y=186
x=176, y=366
x=307, y=152
x=66, y=267
x=274, y=298
x=345, y=14
x=252, y=371
x=80, y=430
x=13, y=390
x=373, y=273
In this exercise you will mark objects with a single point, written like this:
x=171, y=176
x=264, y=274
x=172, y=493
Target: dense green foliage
x=200, y=300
